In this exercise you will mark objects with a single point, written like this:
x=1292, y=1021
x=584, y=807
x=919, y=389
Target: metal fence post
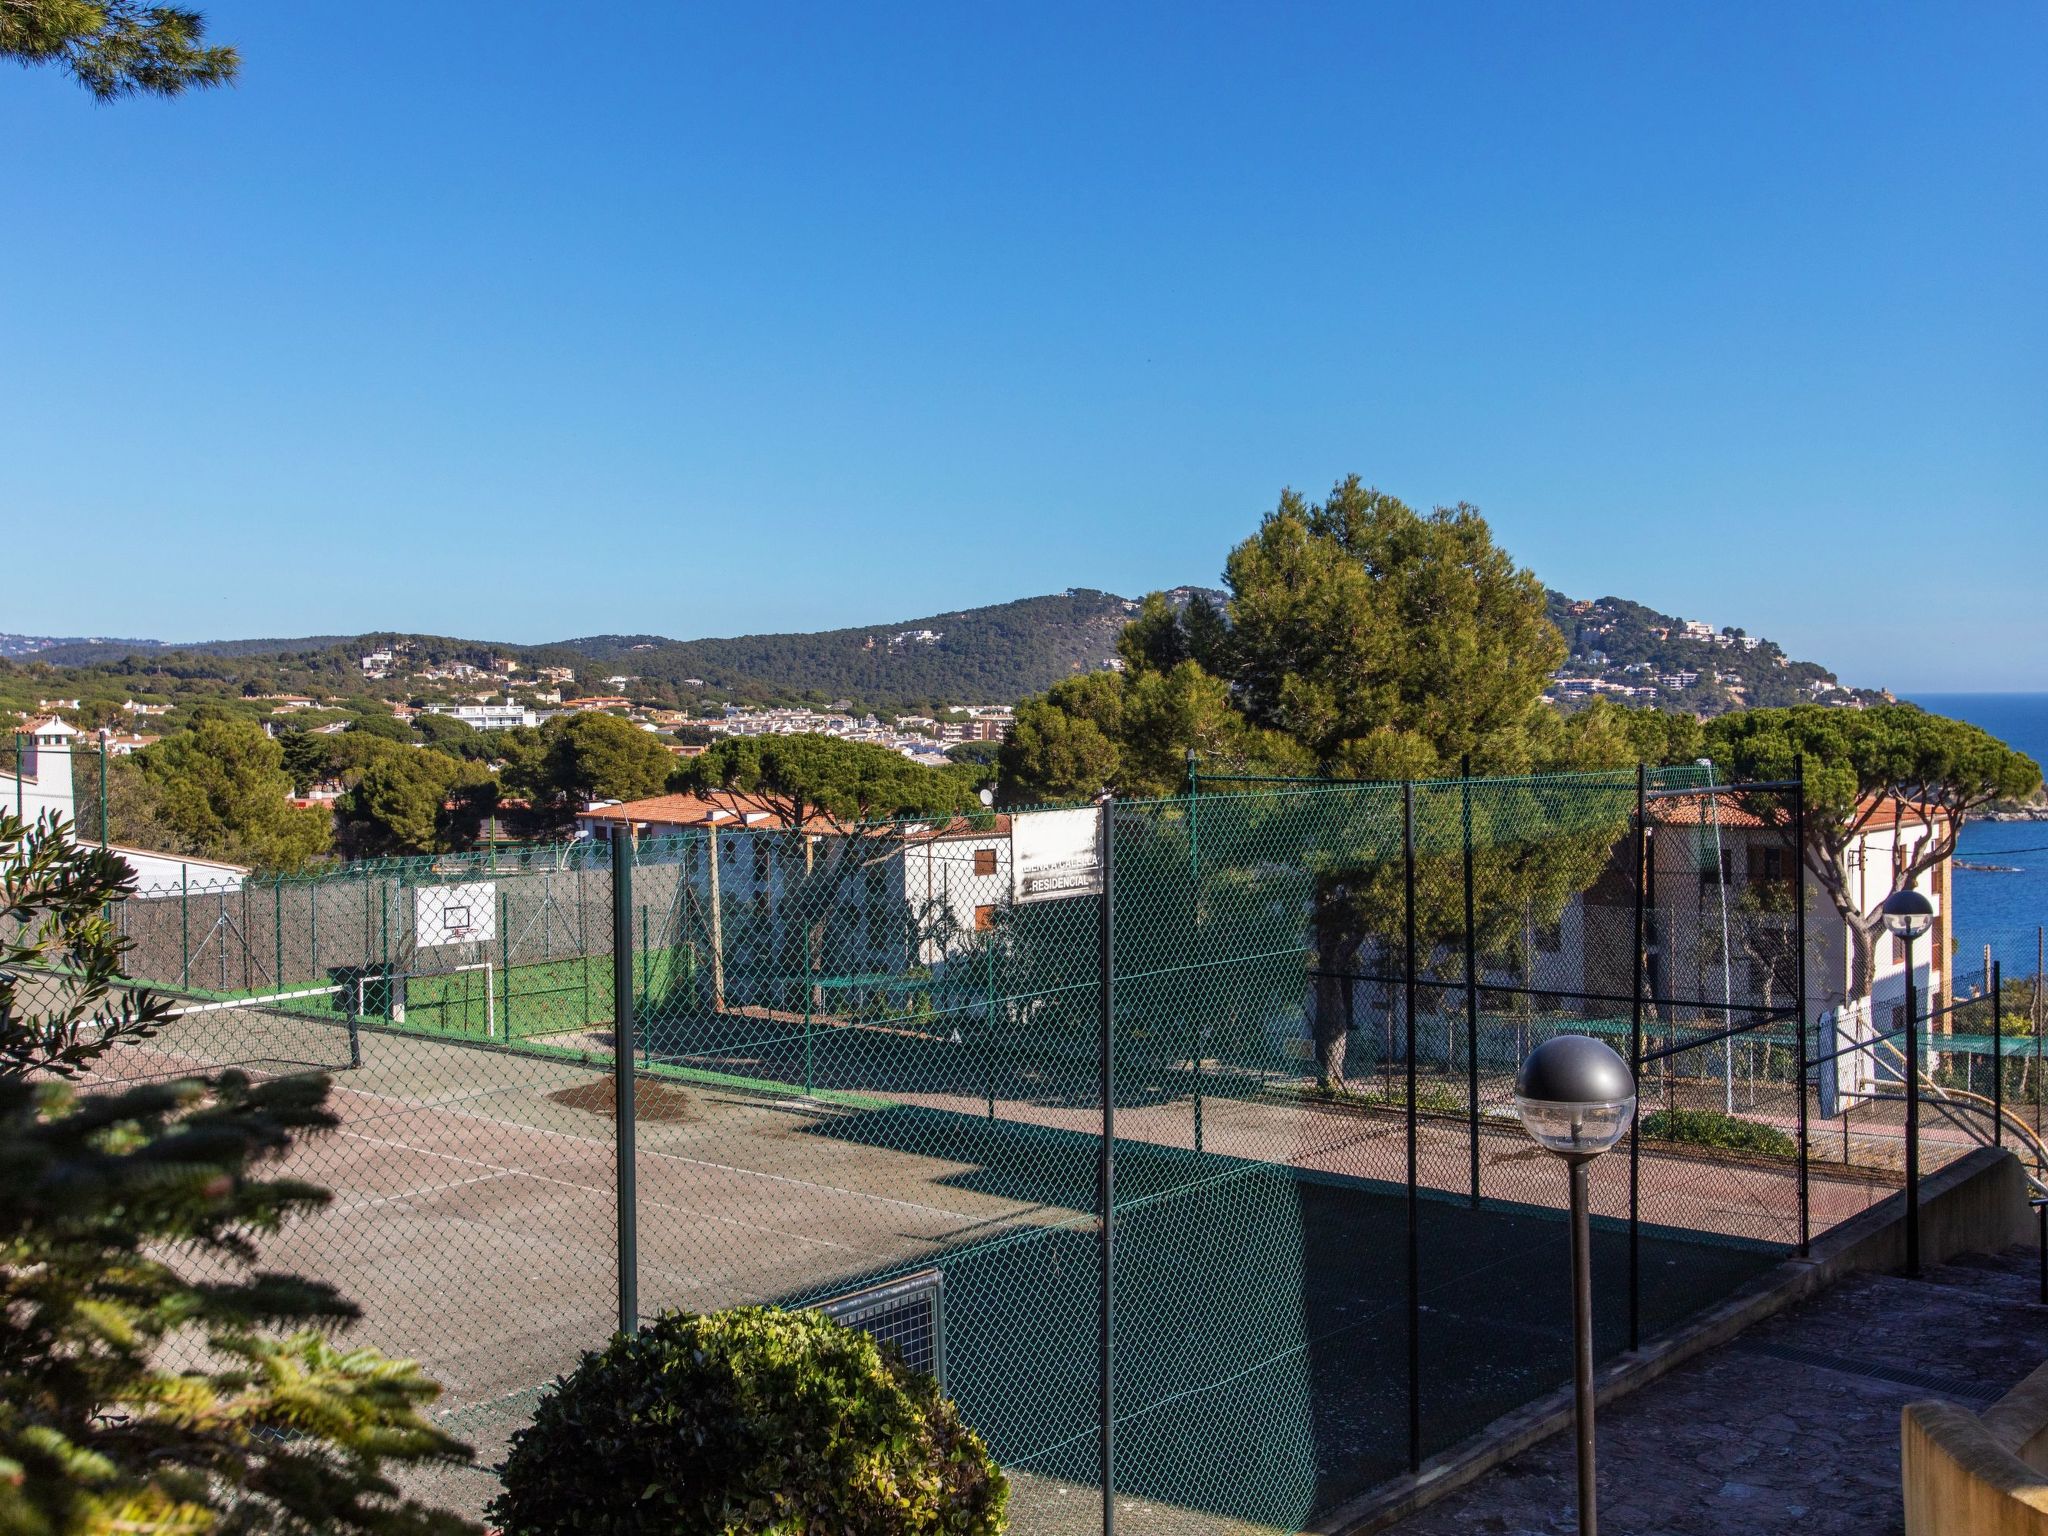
x=1912, y=1120
x=1194, y=924
x=1799, y=968
x=1414, y=1192
x=622, y=1077
x=185, y=925
x=1635, y=1062
x=1471, y=984
x=1105, y=986
x=1997, y=1054
x=103, y=791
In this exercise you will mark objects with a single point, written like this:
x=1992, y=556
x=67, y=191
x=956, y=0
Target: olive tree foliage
x=117, y=48
x=130, y=1227
x=1928, y=773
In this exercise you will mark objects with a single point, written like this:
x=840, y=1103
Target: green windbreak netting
x=876, y=1054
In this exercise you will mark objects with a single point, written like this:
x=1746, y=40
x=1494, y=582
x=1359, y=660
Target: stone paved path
x=1792, y=1427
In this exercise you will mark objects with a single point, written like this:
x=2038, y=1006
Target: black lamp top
x=1907, y=903
x=1575, y=1069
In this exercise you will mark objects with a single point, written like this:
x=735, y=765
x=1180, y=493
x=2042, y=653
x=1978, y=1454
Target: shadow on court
x=1261, y=1315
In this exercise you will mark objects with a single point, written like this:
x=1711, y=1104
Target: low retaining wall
x=1967, y=1475
x=1976, y=1204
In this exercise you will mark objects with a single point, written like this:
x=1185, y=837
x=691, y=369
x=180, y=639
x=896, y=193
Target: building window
x=761, y=861
x=984, y=918
x=984, y=861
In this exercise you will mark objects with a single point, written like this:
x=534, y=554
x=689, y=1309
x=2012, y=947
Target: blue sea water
x=2002, y=907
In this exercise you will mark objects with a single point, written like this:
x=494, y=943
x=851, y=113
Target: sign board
x=1055, y=855
x=455, y=914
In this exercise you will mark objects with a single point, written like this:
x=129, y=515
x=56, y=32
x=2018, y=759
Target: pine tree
x=152, y=1377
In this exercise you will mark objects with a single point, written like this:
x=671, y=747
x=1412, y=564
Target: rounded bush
x=751, y=1422
x=1714, y=1128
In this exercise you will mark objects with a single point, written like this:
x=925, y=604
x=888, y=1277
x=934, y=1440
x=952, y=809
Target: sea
x=2001, y=878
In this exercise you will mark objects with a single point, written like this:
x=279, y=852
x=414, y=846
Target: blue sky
x=488, y=320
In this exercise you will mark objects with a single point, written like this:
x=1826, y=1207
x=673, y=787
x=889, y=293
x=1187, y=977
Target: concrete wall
x=1971, y=1476
x=1976, y=1204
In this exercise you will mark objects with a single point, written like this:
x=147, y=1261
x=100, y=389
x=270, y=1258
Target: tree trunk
x=1337, y=943
x=1332, y=1038
x=1863, y=962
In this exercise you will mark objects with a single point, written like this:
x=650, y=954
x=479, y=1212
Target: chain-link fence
x=1179, y=1135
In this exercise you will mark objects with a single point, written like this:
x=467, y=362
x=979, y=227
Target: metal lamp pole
x=1908, y=915
x=1577, y=1097
x=1912, y=1118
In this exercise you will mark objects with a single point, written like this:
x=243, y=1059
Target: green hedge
x=1712, y=1128
x=751, y=1422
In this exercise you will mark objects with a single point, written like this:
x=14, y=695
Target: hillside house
x=751, y=886
x=42, y=785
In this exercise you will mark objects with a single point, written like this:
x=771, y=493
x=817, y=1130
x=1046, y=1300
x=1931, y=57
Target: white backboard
x=455, y=914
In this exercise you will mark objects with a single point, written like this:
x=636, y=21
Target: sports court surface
x=1261, y=1295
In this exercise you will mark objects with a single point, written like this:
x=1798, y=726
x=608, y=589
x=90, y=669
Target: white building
x=487, y=717
x=44, y=787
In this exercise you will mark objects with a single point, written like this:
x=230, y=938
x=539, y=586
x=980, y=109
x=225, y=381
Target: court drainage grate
x=1925, y=1381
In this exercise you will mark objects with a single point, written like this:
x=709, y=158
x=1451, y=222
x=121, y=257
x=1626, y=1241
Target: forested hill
x=995, y=654
x=975, y=655
x=971, y=655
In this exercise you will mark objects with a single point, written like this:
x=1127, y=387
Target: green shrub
x=1712, y=1128
x=751, y=1422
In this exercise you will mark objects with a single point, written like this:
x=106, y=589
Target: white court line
x=592, y=1189
x=675, y=1157
x=409, y=1194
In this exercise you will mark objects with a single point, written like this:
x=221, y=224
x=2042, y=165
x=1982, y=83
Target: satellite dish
x=988, y=797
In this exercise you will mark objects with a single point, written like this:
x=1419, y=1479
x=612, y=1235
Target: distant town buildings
x=488, y=717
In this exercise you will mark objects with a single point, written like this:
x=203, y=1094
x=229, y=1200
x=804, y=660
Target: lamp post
x=1908, y=915
x=1576, y=1097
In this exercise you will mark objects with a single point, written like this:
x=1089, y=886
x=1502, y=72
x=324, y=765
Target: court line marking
x=675, y=1157
x=498, y=1170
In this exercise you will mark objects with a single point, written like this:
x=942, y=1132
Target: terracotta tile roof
x=721, y=808
x=1702, y=810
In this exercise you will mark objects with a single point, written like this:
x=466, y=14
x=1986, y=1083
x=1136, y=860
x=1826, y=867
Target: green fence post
x=1187, y=985
x=185, y=924
x=1471, y=985
x=988, y=949
x=624, y=1089
x=646, y=955
x=313, y=929
x=277, y=931
x=103, y=791
x=505, y=964
x=583, y=942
